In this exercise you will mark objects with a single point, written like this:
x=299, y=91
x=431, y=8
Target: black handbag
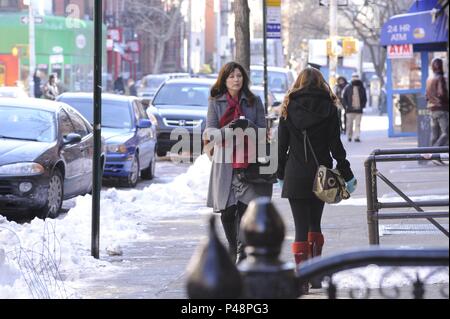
x=252, y=174
x=329, y=185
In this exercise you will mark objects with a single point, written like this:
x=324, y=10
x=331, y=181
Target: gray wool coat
x=222, y=181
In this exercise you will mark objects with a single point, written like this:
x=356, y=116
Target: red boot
x=316, y=242
x=301, y=253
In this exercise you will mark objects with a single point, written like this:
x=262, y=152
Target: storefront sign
x=400, y=51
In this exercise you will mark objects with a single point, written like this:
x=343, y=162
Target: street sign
x=37, y=20
x=400, y=51
x=273, y=24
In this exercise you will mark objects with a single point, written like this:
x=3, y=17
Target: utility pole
x=266, y=89
x=97, y=165
x=189, y=36
x=31, y=47
x=333, y=59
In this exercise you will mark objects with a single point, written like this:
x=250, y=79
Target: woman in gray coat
x=231, y=106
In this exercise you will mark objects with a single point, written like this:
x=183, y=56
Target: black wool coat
x=311, y=110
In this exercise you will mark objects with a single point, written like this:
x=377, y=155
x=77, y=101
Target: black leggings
x=307, y=215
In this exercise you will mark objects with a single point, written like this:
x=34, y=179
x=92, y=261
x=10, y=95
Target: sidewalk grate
x=400, y=229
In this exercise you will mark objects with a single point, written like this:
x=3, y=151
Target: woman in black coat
x=309, y=107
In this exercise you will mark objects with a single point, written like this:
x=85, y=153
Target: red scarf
x=233, y=111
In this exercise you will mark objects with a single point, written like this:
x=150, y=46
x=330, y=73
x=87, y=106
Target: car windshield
x=115, y=114
x=27, y=124
x=154, y=82
x=183, y=94
x=277, y=80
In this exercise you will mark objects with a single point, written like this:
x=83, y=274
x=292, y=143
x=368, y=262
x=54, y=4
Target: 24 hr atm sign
x=273, y=24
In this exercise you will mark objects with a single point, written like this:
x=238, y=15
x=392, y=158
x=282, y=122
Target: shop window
x=6, y=5
x=407, y=73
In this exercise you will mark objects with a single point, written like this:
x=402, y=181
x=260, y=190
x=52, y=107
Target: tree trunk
x=242, y=33
x=160, y=48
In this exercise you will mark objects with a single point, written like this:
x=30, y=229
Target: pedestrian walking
x=338, y=91
x=51, y=89
x=355, y=99
x=437, y=103
x=37, y=90
x=119, y=87
x=309, y=111
x=132, y=87
x=232, y=105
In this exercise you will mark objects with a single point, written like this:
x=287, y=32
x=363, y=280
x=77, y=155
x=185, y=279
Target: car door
x=144, y=136
x=86, y=147
x=71, y=155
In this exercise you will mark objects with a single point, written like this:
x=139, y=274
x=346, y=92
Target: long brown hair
x=308, y=78
x=219, y=88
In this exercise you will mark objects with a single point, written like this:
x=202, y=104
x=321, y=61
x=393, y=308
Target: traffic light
x=349, y=46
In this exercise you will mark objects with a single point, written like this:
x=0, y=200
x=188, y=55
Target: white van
x=279, y=79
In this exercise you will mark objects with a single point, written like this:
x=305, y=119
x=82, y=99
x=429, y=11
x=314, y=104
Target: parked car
x=129, y=133
x=279, y=79
x=12, y=91
x=180, y=103
x=151, y=82
x=46, y=155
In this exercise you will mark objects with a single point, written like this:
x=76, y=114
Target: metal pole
x=333, y=38
x=371, y=194
x=266, y=90
x=189, y=37
x=97, y=165
x=31, y=47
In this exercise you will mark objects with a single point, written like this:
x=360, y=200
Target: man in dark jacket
x=437, y=98
x=354, y=99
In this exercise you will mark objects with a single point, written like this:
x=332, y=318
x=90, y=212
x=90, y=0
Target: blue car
x=129, y=133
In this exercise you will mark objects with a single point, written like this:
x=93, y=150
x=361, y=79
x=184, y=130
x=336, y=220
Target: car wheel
x=55, y=197
x=133, y=177
x=149, y=172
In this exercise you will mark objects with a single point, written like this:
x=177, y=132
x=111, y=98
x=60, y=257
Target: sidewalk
x=157, y=269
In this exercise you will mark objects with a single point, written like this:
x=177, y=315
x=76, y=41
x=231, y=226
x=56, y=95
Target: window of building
x=407, y=73
x=9, y=5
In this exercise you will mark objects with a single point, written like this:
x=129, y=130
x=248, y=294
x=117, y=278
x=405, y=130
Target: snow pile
x=40, y=259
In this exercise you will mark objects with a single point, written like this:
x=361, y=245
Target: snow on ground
x=36, y=258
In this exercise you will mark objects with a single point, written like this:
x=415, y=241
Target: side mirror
x=72, y=138
x=144, y=123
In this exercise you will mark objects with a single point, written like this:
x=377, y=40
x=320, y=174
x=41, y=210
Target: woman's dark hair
x=219, y=88
x=437, y=65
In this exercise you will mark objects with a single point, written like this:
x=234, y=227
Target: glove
x=280, y=183
x=239, y=123
x=351, y=185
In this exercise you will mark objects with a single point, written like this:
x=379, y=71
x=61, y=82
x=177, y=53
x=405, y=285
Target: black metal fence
x=374, y=206
x=212, y=274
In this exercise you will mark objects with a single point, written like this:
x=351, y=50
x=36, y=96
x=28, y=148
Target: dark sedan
x=181, y=103
x=46, y=152
x=129, y=133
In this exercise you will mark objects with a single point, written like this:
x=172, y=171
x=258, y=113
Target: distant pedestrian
x=132, y=87
x=355, y=100
x=437, y=98
x=339, y=90
x=51, y=89
x=309, y=112
x=230, y=100
x=119, y=86
x=37, y=84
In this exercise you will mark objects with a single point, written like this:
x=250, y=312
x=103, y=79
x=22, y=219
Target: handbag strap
x=306, y=140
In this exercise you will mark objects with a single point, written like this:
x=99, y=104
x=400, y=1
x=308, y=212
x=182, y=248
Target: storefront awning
x=417, y=28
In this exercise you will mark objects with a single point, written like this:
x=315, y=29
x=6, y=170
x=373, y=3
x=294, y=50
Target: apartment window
x=9, y=5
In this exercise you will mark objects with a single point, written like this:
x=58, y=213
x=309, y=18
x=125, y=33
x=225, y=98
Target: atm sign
x=400, y=51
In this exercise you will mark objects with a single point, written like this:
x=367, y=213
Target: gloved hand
x=239, y=123
x=280, y=183
x=351, y=185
